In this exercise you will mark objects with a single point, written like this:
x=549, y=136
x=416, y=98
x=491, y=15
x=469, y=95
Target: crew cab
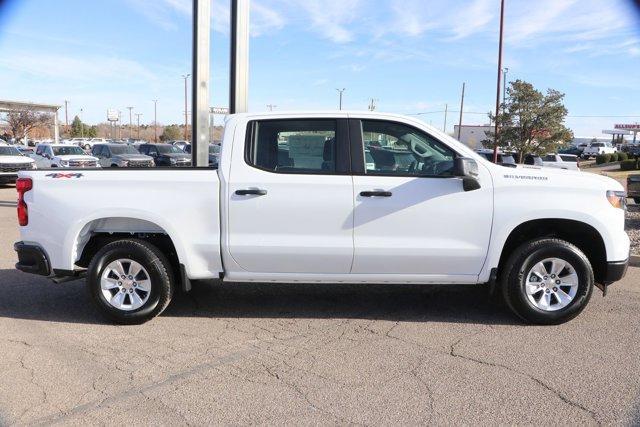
x=11, y=162
x=597, y=148
x=295, y=200
x=64, y=156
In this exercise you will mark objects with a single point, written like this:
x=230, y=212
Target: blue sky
x=410, y=55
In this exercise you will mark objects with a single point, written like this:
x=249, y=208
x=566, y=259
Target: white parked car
x=295, y=200
x=11, y=162
x=64, y=156
x=561, y=161
x=82, y=143
x=597, y=148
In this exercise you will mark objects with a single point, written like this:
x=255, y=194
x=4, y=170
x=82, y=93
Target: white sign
x=112, y=115
x=219, y=110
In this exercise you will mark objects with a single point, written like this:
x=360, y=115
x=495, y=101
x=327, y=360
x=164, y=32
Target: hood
x=133, y=157
x=566, y=177
x=15, y=160
x=76, y=157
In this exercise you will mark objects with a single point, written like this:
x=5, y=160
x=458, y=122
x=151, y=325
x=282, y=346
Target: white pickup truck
x=294, y=200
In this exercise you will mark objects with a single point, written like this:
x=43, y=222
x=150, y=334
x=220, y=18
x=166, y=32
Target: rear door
x=290, y=206
x=412, y=216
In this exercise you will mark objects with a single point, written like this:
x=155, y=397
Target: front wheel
x=130, y=281
x=547, y=281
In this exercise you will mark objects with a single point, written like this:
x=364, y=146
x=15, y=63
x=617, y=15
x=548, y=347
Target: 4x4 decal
x=64, y=175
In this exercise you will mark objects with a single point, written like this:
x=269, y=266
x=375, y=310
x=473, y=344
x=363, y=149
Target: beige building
x=472, y=135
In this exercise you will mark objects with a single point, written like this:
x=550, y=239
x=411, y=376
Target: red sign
x=635, y=126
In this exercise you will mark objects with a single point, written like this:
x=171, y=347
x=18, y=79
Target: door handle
x=376, y=194
x=252, y=192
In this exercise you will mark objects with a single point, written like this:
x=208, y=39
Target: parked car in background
x=64, y=156
x=82, y=143
x=597, y=148
x=561, y=161
x=214, y=154
x=27, y=151
x=633, y=188
x=166, y=155
x=576, y=151
x=12, y=161
x=533, y=160
x=180, y=144
x=121, y=156
x=504, y=159
x=632, y=149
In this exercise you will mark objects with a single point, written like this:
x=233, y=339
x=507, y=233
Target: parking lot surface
x=310, y=354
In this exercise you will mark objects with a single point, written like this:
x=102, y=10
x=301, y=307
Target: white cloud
x=473, y=18
x=332, y=19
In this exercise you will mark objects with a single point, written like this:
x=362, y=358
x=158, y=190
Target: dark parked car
x=633, y=187
x=121, y=155
x=576, y=151
x=214, y=154
x=166, y=155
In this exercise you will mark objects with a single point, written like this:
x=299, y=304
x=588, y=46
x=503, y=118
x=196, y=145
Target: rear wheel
x=547, y=281
x=637, y=200
x=130, y=281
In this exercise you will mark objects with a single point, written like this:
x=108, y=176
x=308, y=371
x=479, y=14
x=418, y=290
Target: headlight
x=173, y=161
x=64, y=162
x=124, y=163
x=153, y=163
x=618, y=199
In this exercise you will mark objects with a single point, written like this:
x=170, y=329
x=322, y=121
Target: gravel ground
x=633, y=227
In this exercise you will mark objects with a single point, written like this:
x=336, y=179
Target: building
x=472, y=135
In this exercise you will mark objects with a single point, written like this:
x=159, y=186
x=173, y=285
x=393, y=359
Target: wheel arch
x=581, y=234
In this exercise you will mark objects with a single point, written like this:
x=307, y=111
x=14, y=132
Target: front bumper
x=615, y=271
x=32, y=259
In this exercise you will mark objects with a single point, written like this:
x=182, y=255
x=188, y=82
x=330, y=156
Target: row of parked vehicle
x=552, y=160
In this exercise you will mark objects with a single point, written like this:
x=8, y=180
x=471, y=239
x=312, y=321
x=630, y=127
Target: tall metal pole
x=200, y=108
x=130, y=123
x=138, y=123
x=461, y=109
x=186, y=108
x=446, y=113
x=81, y=125
x=497, y=127
x=239, y=63
x=66, y=115
x=341, y=91
x=155, y=120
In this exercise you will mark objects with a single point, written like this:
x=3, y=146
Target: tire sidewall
x=517, y=296
x=149, y=262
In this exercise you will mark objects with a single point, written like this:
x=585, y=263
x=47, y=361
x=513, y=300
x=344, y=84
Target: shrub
x=623, y=156
x=629, y=165
x=603, y=158
x=614, y=157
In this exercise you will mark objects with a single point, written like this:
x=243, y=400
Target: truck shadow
x=26, y=296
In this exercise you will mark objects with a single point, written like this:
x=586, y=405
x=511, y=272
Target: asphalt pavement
x=310, y=354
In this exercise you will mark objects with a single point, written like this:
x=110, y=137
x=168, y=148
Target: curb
x=634, y=260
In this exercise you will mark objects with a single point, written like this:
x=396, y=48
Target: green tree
x=530, y=121
x=171, y=133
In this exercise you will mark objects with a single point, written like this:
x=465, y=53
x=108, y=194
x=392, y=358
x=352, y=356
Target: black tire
x=513, y=278
x=159, y=271
x=636, y=200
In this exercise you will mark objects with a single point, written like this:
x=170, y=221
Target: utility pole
x=130, y=123
x=341, y=91
x=271, y=107
x=446, y=112
x=372, y=104
x=186, y=108
x=155, y=120
x=81, y=124
x=497, y=127
x=461, y=109
x=138, y=120
x=66, y=115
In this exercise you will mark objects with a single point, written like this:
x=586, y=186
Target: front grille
x=140, y=164
x=82, y=164
x=182, y=163
x=8, y=167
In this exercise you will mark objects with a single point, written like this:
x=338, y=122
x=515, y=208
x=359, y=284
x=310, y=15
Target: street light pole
x=446, y=113
x=271, y=106
x=186, y=108
x=81, y=124
x=138, y=123
x=497, y=127
x=341, y=91
x=66, y=115
x=155, y=120
x=461, y=109
x=130, y=123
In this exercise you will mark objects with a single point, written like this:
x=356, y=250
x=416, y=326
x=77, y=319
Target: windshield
x=117, y=150
x=214, y=149
x=66, y=151
x=169, y=149
x=9, y=151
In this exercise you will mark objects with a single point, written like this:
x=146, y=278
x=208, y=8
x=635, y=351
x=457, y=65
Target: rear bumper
x=615, y=271
x=32, y=259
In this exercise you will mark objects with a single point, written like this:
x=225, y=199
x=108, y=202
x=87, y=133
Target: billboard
x=112, y=115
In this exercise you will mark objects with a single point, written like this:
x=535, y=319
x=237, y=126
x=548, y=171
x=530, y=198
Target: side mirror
x=467, y=169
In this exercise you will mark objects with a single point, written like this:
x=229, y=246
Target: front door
x=290, y=195
x=412, y=216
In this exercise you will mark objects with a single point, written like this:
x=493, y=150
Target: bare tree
x=20, y=122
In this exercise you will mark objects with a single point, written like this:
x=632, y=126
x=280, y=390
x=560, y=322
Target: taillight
x=23, y=185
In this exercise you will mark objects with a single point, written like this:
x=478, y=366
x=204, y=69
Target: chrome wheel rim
x=125, y=284
x=552, y=284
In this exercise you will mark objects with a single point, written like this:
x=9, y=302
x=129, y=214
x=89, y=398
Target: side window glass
x=396, y=149
x=39, y=151
x=294, y=146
